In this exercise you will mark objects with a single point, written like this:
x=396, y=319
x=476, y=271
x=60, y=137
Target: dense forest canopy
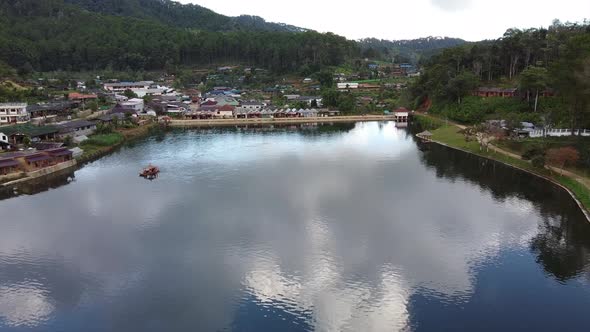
x=406, y=50
x=183, y=16
x=53, y=35
x=556, y=59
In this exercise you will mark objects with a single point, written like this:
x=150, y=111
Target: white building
x=122, y=86
x=135, y=104
x=141, y=92
x=13, y=113
x=4, y=144
x=247, y=106
x=347, y=85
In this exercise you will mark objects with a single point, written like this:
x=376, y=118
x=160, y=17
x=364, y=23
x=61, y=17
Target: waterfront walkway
x=269, y=121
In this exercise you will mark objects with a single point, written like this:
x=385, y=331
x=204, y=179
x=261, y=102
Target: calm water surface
x=325, y=228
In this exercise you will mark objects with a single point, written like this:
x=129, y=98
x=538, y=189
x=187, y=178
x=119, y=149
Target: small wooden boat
x=149, y=172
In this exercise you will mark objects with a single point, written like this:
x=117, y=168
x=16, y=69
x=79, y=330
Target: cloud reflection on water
x=343, y=227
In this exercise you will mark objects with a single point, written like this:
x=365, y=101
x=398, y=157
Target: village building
x=291, y=97
x=309, y=100
x=16, y=134
x=122, y=86
x=4, y=143
x=8, y=165
x=347, y=85
x=226, y=100
x=328, y=112
x=111, y=118
x=495, y=92
x=76, y=128
x=18, y=162
x=136, y=104
x=13, y=113
x=81, y=98
x=401, y=115
x=50, y=111
x=251, y=105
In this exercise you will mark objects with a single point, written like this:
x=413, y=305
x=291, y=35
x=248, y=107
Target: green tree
x=533, y=79
x=462, y=85
x=326, y=79
x=129, y=94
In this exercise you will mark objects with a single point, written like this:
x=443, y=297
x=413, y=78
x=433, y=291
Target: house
x=16, y=162
x=141, y=92
x=4, y=143
x=110, y=118
x=226, y=100
x=79, y=97
x=8, y=166
x=327, y=112
x=308, y=113
x=225, y=111
x=136, y=104
x=310, y=100
x=76, y=128
x=401, y=115
x=16, y=134
x=291, y=97
x=122, y=86
x=251, y=105
x=40, y=146
x=495, y=92
x=347, y=85
x=51, y=110
x=13, y=113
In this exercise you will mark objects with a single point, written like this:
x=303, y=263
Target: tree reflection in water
x=562, y=245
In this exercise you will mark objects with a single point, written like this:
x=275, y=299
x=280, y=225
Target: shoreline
x=271, y=121
x=78, y=163
x=583, y=208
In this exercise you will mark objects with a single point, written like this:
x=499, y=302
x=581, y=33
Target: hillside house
x=495, y=92
x=13, y=113
x=81, y=98
x=347, y=85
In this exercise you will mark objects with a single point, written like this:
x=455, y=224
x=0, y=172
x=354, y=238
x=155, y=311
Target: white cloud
x=396, y=19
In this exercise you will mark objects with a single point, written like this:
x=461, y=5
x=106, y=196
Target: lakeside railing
x=559, y=132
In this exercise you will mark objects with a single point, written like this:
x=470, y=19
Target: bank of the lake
x=448, y=134
x=99, y=145
x=273, y=121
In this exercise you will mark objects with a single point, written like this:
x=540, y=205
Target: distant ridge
x=189, y=16
x=411, y=49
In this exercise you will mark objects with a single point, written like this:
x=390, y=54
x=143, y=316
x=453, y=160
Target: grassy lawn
x=581, y=192
x=104, y=139
x=99, y=143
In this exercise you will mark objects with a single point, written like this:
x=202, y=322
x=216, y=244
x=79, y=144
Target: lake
x=350, y=227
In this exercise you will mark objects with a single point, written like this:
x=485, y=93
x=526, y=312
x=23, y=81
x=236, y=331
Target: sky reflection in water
x=343, y=228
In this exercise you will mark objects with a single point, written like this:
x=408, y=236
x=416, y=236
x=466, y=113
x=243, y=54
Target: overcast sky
x=395, y=19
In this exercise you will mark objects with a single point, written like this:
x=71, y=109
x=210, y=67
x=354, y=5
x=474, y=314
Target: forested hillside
x=184, y=16
x=554, y=60
x=406, y=50
x=53, y=35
